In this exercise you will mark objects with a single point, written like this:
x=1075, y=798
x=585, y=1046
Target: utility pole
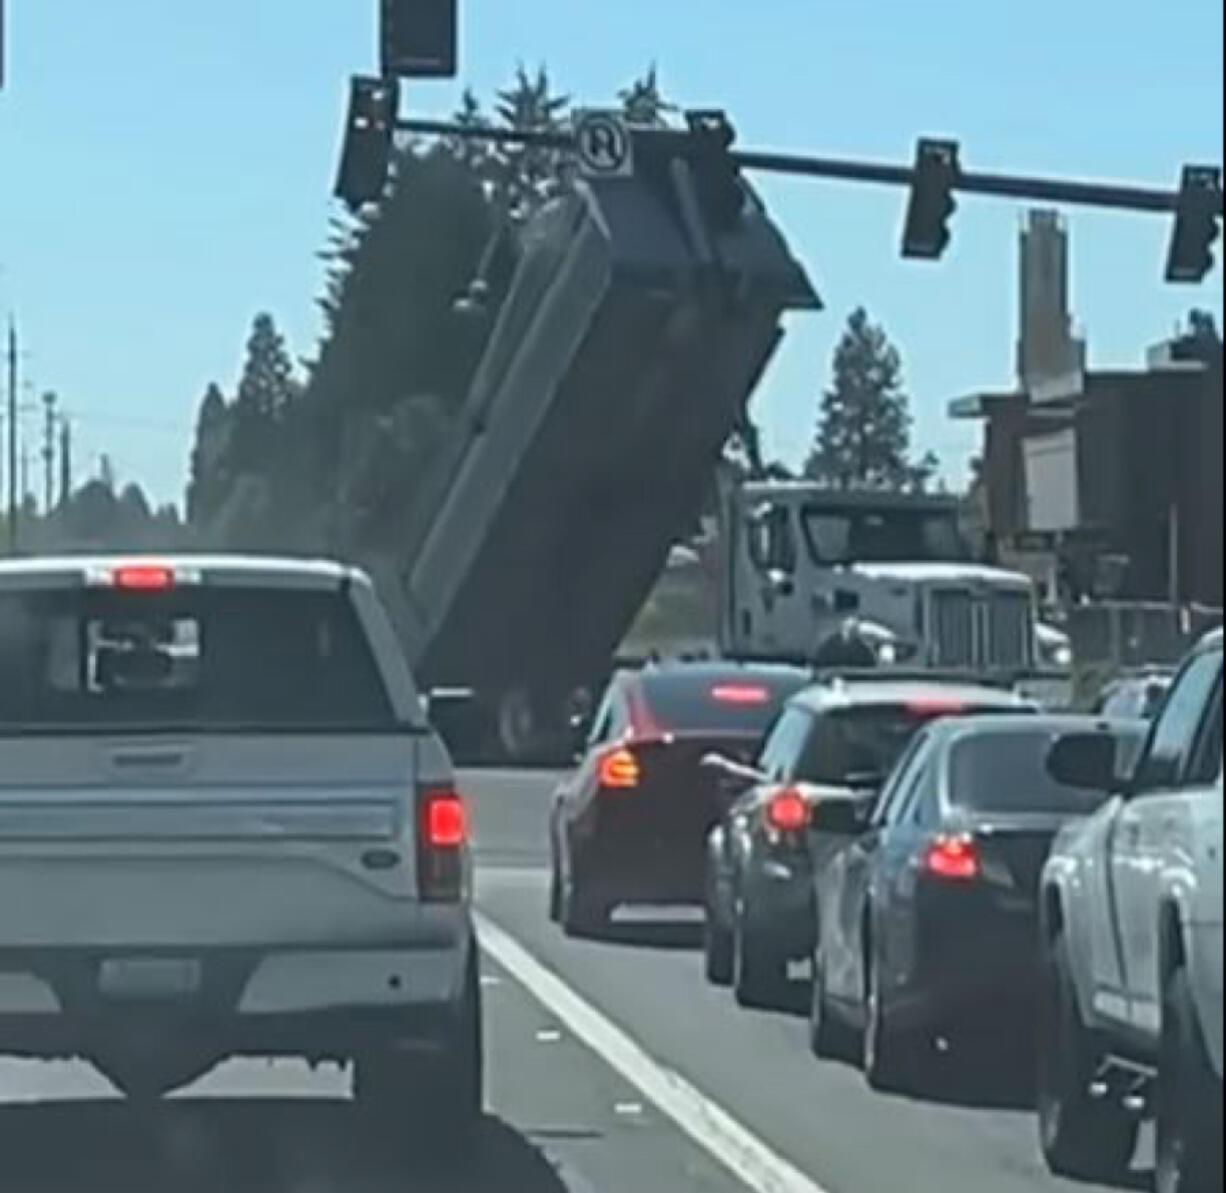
x=49, y=419
x=14, y=435
x=65, y=461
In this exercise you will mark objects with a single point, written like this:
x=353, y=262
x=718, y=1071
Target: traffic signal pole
x=1201, y=230
x=1069, y=192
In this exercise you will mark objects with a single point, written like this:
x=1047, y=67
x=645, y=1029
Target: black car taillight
x=953, y=858
x=442, y=844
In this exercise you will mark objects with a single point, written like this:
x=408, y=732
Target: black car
x=836, y=738
x=929, y=909
x=629, y=825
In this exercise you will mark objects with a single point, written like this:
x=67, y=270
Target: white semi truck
x=810, y=570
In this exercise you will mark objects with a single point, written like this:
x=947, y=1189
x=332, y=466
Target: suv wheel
x=759, y=974
x=1083, y=1137
x=1189, y=1100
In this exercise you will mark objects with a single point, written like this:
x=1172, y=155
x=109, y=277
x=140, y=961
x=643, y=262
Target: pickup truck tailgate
x=215, y=839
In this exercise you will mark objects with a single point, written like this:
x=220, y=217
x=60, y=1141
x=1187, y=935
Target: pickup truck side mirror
x=1085, y=760
x=840, y=816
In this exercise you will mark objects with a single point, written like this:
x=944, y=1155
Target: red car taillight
x=442, y=844
x=618, y=769
x=955, y=859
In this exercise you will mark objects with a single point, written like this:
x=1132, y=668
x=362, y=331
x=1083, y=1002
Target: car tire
x=759, y=974
x=717, y=949
x=889, y=1056
x=1188, y=1100
x=581, y=912
x=1081, y=1137
x=555, y=888
x=431, y=1105
x=828, y=1039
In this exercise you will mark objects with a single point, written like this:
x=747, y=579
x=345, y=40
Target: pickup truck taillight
x=442, y=844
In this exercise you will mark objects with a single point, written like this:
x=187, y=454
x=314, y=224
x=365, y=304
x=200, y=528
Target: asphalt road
x=977, y=1136
x=612, y=1067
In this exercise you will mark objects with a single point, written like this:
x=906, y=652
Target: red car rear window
x=706, y=701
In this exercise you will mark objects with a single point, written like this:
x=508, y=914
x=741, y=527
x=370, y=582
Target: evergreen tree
x=265, y=391
x=863, y=438
x=528, y=174
x=476, y=155
x=209, y=476
x=642, y=101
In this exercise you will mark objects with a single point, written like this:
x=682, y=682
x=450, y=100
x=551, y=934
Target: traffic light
x=716, y=173
x=367, y=149
x=419, y=39
x=934, y=176
x=1198, y=212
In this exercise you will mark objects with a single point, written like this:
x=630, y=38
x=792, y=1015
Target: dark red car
x=630, y=824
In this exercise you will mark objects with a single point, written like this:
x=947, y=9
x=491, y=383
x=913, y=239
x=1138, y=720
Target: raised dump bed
x=630, y=339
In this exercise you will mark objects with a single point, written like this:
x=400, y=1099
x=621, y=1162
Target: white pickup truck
x=1131, y=1018
x=226, y=830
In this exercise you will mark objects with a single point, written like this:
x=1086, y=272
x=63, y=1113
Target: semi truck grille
x=990, y=632
x=953, y=613
x=1009, y=631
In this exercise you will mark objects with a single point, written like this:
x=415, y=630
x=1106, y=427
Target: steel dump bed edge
x=632, y=335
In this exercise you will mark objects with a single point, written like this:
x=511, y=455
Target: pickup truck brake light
x=143, y=578
x=442, y=842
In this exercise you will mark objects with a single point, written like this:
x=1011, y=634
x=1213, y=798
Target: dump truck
x=639, y=318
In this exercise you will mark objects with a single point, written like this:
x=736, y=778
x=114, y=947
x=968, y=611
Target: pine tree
x=529, y=174
x=863, y=438
x=264, y=394
x=210, y=470
x=642, y=101
x=476, y=154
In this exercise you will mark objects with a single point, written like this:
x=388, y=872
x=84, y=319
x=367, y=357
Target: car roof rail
x=934, y=675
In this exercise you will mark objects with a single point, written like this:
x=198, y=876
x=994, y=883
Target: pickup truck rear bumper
x=300, y=1002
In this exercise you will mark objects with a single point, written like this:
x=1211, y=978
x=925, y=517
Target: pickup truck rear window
x=194, y=659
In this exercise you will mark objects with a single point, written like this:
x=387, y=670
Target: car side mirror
x=1085, y=760
x=840, y=816
x=732, y=776
x=579, y=727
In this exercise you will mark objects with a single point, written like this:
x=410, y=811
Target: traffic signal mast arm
x=1120, y=196
x=933, y=178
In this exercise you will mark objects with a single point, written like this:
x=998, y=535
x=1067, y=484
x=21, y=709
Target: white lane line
x=704, y=1121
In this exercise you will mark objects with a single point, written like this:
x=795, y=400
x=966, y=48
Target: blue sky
x=165, y=170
